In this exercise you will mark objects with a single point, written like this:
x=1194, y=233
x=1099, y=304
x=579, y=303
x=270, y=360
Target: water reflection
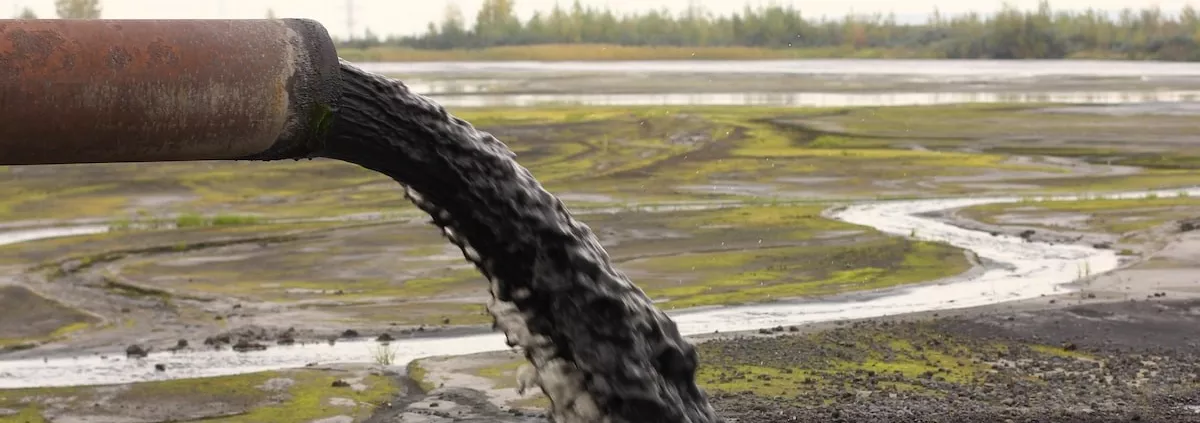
x=457, y=86
x=812, y=99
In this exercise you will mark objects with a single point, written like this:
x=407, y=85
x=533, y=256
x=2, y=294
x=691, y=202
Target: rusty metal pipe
x=92, y=91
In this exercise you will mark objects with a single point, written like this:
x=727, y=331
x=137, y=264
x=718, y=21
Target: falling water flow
x=601, y=350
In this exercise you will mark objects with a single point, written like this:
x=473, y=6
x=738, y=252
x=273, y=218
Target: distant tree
x=26, y=13
x=271, y=14
x=497, y=23
x=454, y=27
x=77, y=9
x=1010, y=33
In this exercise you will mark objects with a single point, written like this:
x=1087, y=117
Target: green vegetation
x=270, y=397
x=1010, y=33
x=384, y=354
x=800, y=221
x=74, y=9
x=418, y=375
x=503, y=375
x=920, y=358
x=647, y=155
x=1033, y=129
x=753, y=253
x=1113, y=216
x=784, y=166
x=192, y=220
x=915, y=358
x=742, y=276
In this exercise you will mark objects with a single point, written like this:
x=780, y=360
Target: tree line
x=1010, y=33
x=67, y=9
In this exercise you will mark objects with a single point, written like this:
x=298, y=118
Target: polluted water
x=600, y=350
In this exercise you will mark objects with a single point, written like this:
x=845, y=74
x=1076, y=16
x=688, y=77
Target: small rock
x=182, y=343
x=136, y=351
x=341, y=384
x=244, y=345
x=350, y=333
x=386, y=337
x=160, y=367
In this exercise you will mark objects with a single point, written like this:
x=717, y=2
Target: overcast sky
x=410, y=16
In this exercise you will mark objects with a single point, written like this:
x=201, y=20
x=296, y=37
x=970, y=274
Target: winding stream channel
x=1015, y=270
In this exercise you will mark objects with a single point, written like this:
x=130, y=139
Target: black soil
x=629, y=357
x=1118, y=362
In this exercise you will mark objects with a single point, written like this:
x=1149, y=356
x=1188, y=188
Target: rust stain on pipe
x=89, y=91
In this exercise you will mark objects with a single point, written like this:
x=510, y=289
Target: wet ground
x=1116, y=347
x=808, y=83
x=279, y=253
x=1104, y=362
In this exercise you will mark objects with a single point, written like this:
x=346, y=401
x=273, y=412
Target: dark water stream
x=602, y=351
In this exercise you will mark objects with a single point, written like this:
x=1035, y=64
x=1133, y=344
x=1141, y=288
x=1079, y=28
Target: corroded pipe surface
x=90, y=91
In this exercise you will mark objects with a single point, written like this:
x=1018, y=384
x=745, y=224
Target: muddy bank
x=1125, y=361
x=1031, y=233
x=1102, y=362
x=1016, y=270
x=326, y=394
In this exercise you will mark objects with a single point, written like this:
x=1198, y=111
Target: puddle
x=815, y=99
x=1026, y=270
x=455, y=86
